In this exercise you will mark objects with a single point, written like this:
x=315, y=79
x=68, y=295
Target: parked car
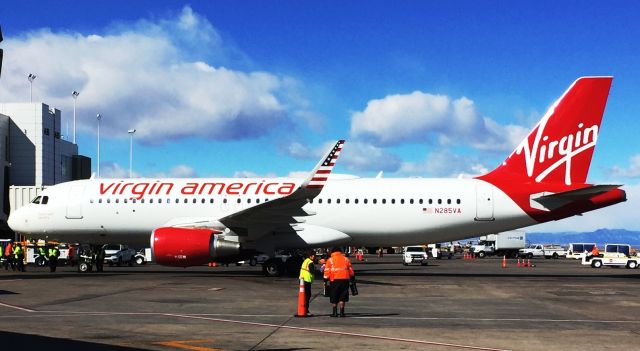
x=119, y=254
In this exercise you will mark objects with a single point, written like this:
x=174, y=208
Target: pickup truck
x=546, y=251
x=414, y=254
x=118, y=254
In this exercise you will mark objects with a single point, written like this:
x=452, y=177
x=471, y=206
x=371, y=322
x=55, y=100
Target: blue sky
x=224, y=88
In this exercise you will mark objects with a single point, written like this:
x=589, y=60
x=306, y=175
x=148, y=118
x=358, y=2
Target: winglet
x=321, y=172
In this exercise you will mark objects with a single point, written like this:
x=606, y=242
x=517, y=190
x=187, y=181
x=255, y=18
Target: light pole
x=31, y=77
x=99, y=118
x=75, y=97
x=131, y=132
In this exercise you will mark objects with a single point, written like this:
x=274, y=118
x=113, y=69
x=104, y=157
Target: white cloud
x=443, y=163
x=623, y=215
x=423, y=117
x=114, y=170
x=182, y=171
x=633, y=171
x=168, y=78
x=355, y=156
x=250, y=174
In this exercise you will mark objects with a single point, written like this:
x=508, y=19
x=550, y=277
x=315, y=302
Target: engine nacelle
x=184, y=247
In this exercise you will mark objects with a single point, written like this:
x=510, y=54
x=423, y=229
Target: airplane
x=190, y=222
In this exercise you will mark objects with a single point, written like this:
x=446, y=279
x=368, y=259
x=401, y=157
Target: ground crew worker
x=595, y=252
x=100, y=259
x=306, y=274
x=18, y=258
x=42, y=254
x=54, y=253
x=338, y=271
x=8, y=251
x=71, y=255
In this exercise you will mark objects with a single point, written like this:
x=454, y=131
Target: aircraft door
x=484, y=202
x=74, y=206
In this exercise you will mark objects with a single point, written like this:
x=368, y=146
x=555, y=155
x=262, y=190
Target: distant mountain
x=600, y=237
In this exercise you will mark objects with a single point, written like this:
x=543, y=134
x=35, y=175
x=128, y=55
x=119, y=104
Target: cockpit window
x=36, y=200
x=45, y=200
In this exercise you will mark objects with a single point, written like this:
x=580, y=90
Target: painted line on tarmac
x=16, y=307
x=500, y=319
x=98, y=313
x=333, y=332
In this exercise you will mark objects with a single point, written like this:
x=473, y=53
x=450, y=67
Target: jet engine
x=184, y=247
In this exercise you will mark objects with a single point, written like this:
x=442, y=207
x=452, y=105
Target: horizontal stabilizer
x=552, y=201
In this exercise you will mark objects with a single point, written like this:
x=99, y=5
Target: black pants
x=307, y=296
x=53, y=263
x=7, y=262
x=19, y=262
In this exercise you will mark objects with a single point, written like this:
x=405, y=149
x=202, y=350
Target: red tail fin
x=560, y=147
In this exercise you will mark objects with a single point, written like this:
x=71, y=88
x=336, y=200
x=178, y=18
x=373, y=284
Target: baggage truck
x=501, y=244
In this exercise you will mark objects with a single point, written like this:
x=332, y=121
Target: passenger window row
x=391, y=201
x=168, y=201
x=257, y=201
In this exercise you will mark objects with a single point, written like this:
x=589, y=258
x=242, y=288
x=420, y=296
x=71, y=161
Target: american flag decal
x=322, y=173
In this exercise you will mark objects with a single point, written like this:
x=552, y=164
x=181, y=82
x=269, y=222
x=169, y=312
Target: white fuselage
x=371, y=211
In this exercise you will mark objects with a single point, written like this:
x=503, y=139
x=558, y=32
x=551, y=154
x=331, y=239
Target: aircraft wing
x=282, y=215
x=557, y=200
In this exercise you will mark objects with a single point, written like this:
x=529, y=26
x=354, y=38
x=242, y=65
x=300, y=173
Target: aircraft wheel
x=83, y=267
x=273, y=267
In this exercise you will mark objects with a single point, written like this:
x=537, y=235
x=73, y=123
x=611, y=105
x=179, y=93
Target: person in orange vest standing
x=337, y=273
x=8, y=260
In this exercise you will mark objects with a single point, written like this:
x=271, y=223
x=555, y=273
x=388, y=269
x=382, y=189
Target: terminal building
x=33, y=155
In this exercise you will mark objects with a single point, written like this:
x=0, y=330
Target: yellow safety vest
x=305, y=274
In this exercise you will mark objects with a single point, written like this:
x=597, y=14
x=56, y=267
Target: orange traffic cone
x=504, y=261
x=301, y=310
x=518, y=263
x=529, y=263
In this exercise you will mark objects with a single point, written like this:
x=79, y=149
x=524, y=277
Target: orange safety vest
x=338, y=267
x=7, y=249
x=595, y=251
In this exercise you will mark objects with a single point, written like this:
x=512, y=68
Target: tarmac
x=448, y=305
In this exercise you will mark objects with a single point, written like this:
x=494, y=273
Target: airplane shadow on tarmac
x=36, y=342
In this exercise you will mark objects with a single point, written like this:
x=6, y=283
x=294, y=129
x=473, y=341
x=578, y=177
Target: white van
x=578, y=250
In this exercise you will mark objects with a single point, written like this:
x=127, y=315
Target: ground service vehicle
x=579, y=250
x=616, y=255
x=142, y=256
x=539, y=250
x=501, y=244
x=193, y=221
x=118, y=254
x=414, y=254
